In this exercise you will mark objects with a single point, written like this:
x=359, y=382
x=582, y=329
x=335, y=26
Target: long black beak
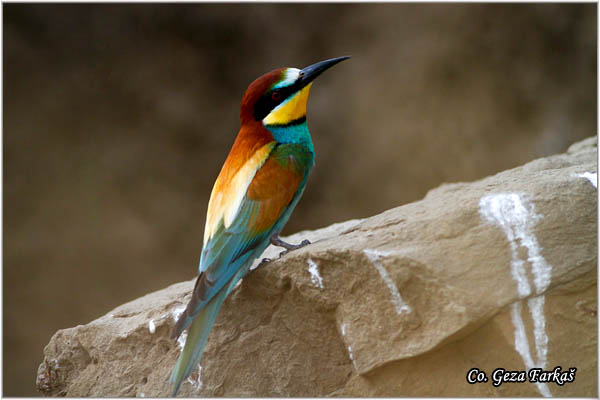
x=308, y=74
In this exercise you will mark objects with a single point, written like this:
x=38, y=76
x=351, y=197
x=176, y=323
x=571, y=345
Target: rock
x=498, y=273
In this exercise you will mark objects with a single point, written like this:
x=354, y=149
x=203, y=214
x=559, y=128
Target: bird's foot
x=277, y=241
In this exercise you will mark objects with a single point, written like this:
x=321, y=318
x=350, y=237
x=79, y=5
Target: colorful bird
x=257, y=189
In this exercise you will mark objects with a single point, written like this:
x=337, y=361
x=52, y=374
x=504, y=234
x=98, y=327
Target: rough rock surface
x=498, y=273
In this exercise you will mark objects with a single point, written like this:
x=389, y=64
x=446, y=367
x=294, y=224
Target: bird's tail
x=196, y=340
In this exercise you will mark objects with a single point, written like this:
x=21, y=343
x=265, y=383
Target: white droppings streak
x=175, y=314
x=198, y=382
x=399, y=303
x=536, y=309
x=151, y=326
x=590, y=176
x=522, y=345
x=517, y=217
x=181, y=340
x=315, y=277
x=350, y=353
x=142, y=394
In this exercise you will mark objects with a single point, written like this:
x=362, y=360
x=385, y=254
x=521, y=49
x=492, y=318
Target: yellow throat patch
x=290, y=110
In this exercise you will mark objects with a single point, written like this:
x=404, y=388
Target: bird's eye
x=276, y=95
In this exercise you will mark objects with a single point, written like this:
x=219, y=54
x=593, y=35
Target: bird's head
x=279, y=97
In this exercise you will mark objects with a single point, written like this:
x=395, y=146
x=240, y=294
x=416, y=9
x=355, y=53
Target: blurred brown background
x=117, y=119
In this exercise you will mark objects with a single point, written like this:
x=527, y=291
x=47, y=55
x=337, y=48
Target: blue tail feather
x=200, y=328
x=198, y=333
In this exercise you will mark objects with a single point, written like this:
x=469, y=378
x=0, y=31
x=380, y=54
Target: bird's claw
x=290, y=247
x=276, y=241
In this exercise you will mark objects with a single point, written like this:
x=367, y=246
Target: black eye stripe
x=266, y=103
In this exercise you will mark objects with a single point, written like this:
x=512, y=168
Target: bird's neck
x=295, y=132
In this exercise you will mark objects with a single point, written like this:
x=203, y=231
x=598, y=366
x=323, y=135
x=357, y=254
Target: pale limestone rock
x=496, y=273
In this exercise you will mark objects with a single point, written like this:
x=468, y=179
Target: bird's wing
x=269, y=182
x=231, y=188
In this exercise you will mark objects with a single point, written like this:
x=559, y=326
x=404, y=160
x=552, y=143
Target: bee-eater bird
x=257, y=189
